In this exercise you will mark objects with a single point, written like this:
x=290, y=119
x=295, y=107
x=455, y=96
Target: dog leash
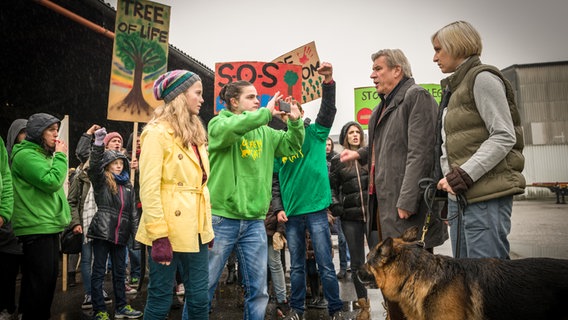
x=429, y=187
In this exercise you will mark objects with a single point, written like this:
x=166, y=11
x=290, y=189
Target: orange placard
x=267, y=77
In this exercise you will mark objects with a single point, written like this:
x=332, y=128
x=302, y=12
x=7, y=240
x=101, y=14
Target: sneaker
x=101, y=315
x=134, y=282
x=338, y=315
x=317, y=303
x=180, y=290
x=341, y=274
x=127, y=312
x=282, y=308
x=107, y=298
x=129, y=290
x=295, y=315
x=87, y=303
x=4, y=315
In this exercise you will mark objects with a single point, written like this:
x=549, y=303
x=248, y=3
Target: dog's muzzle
x=366, y=277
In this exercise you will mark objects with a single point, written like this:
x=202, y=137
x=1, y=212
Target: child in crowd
x=113, y=224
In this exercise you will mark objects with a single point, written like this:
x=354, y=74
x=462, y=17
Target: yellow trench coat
x=175, y=202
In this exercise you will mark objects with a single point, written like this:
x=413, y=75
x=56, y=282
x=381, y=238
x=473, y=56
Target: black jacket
x=116, y=219
x=349, y=184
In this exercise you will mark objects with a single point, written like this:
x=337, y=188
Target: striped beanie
x=172, y=83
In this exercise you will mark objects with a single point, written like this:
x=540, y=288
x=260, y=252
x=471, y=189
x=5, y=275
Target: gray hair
x=394, y=57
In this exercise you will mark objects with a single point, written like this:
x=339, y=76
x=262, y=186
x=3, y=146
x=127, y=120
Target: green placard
x=367, y=98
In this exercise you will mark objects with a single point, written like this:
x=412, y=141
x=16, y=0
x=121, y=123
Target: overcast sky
x=346, y=33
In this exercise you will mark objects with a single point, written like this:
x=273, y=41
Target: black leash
x=429, y=186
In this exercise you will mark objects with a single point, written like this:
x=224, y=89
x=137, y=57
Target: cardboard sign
x=267, y=77
x=307, y=57
x=139, y=57
x=367, y=98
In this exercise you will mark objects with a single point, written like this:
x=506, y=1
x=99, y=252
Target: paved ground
x=540, y=228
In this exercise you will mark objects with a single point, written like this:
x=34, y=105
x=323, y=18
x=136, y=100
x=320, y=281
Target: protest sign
x=140, y=56
x=367, y=98
x=307, y=57
x=267, y=77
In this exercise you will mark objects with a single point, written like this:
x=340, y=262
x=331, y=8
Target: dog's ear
x=386, y=250
x=411, y=234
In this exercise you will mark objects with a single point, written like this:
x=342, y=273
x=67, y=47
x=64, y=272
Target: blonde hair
x=109, y=177
x=394, y=57
x=188, y=127
x=459, y=39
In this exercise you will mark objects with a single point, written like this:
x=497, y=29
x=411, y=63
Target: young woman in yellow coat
x=176, y=217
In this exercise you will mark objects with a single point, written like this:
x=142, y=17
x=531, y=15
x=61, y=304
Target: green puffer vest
x=466, y=131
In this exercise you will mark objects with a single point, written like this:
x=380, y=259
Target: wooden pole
x=134, y=147
x=77, y=18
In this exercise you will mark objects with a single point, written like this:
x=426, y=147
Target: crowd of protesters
x=245, y=190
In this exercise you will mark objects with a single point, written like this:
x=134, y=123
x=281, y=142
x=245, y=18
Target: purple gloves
x=162, y=250
x=459, y=180
x=100, y=136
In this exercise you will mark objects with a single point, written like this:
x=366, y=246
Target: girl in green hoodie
x=41, y=212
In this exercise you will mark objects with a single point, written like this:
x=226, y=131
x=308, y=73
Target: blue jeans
x=316, y=223
x=249, y=238
x=277, y=272
x=86, y=263
x=484, y=228
x=102, y=249
x=193, y=268
x=133, y=256
x=344, y=256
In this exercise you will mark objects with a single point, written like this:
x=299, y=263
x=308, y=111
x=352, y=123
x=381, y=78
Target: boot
x=231, y=275
x=364, y=312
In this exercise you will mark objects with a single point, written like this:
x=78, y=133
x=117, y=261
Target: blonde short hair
x=459, y=39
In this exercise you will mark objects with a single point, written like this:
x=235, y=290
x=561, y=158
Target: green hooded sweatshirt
x=40, y=204
x=241, y=152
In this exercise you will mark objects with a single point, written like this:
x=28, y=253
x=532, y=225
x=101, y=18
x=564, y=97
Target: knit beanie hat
x=110, y=136
x=171, y=84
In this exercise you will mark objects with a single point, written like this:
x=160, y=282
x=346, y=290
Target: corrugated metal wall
x=541, y=91
x=542, y=95
x=546, y=163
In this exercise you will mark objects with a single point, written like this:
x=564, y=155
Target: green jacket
x=241, y=152
x=304, y=179
x=6, y=192
x=40, y=204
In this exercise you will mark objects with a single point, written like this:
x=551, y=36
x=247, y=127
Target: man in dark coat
x=401, y=140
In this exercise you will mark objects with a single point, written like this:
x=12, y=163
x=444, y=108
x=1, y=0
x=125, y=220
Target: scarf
x=122, y=178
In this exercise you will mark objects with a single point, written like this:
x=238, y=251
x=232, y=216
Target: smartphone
x=284, y=106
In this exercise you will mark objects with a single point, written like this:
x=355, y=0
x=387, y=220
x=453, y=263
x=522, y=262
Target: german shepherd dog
x=437, y=287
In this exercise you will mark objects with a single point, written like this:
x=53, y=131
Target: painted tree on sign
x=291, y=78
x=143, y=57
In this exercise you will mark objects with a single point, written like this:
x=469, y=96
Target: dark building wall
x=52, y=64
